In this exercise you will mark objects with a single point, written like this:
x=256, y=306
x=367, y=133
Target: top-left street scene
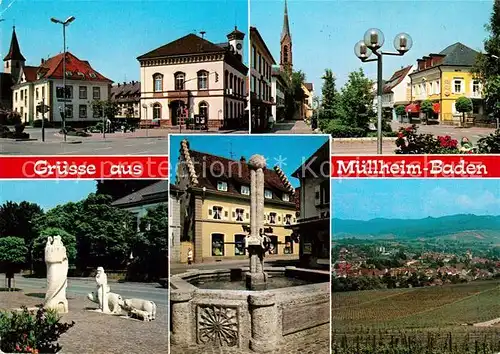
x=102, y=78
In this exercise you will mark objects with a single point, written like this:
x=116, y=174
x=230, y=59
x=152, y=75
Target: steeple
x=14, y=51
x=286, y=25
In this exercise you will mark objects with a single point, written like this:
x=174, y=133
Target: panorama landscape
x=416, y=266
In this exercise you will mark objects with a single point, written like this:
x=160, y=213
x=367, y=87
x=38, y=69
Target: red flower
x=409, y=129
x=400, y=135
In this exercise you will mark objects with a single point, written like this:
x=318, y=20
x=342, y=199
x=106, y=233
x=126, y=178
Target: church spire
x=14, y=51
x=286, y=25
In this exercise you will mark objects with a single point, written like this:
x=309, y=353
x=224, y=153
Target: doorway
x=177, y=109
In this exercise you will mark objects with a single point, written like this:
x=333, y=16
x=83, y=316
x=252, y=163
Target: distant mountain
x=465, y=227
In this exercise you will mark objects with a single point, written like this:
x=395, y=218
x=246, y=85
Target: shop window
x=217, y=245
x=288, y=245
x=239, y=245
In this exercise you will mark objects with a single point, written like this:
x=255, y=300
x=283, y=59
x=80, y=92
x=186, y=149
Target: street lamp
x=372, y=41
x=64, y=25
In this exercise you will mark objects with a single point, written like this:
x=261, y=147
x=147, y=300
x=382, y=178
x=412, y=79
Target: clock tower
x=286, y=61
x=235, y=39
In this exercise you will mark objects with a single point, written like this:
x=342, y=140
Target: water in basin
x=225, y=283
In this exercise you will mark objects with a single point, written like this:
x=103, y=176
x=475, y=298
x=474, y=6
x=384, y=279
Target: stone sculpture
x=57, y=275
x=142, y=308
x=256, y=241
x=108, y=302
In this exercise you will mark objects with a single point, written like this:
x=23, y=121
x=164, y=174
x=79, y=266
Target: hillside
x=466, y=227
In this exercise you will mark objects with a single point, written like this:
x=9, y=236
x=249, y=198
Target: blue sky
x=324, y=32
x=365, y=199
x=292, y=151
x=111, y=34
x=47, y=194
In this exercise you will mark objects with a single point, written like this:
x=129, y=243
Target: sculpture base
x=256, y=281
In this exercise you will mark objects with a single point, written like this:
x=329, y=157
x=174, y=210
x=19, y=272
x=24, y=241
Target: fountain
x=213, y=308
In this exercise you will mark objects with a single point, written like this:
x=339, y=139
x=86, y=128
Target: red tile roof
x=30, y=73
x=52, y=68
x=396, y=79
x=236, y=173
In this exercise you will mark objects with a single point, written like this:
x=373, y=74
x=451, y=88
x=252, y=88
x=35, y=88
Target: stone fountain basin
x=259, y=320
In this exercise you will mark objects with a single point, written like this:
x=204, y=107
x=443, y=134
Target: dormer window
x=286, y=197
x=222, y=186
x=69, y=73
x=245, y=190
x=93, y=75
x=268, y=194
x=81, y=74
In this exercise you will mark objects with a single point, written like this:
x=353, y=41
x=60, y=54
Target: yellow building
x=443, y=78
x=216, y=206
x=307, y=104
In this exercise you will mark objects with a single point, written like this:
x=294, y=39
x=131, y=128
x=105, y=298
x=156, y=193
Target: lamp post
x=145, y=106
x=372, y=41
x=64, y=25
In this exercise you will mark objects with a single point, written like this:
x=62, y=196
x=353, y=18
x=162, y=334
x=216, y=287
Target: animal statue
x=56, y=260
x=113, y=301
x=132, y=306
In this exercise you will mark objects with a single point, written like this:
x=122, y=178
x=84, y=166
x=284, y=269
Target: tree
x=400, y=111
x=463, y=105
x=150, y=247
x=105, y=109
x=328, y=90
x=427, y=107
x=293, y=92
x=12, y=255
x=119, y=188
x=356, y=100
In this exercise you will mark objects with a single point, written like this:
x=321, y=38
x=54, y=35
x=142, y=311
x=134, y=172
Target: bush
x=38, y=123
x=13, y=135
x=343, y=131
x=409, y=142
x=489, y=144
x=19, y=128
x=31, y=331
x=10, y=119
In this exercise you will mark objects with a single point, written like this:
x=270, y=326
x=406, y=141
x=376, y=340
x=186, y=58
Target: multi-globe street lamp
x=372, y=41
x=64, y=24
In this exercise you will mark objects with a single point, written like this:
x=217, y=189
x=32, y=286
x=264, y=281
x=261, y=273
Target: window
x=69, y=111
x=82, y=111
x=322, y=193
x=268, y=194
x=286, y=197
x=96, y=93
x=254, y=57
x=158, y=82
x=288, y=245
x=222, y=186
x=285, y=54
x=239, y=245
x=457, y=86
x=217, y=244
x=82, y=92
x=272, y=218
x=288, y=219
x=36, y=94
x=475, y=87
x=202, y=80
x=22, y=95
x=245, y=190
x=43, y=92
x=239, y=214
x=16, y=96
x=274, y=245
x=217, y=212
x=157, y=111
x=179, y=81
x=203, y=110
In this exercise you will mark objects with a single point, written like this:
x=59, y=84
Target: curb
x=350, y=140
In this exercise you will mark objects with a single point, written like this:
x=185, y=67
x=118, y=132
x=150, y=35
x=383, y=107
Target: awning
x=436, y=107
x=412, y=108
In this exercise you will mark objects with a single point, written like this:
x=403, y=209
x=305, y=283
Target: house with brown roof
x=216, y=206
x=43, y=83
x=127, y=96
x=195, y=80
x=397, y=91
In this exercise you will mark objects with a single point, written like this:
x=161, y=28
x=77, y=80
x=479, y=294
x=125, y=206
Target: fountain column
x=264, y=312
x=256, y=279
x=181, y=320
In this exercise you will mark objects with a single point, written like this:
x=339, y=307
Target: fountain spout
x=256, y=279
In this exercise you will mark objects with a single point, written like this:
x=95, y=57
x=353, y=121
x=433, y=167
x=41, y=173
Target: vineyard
x=428, y=320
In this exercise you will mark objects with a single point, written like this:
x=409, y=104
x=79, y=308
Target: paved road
x=81, y=287
x=292, y=127
x=370, y=147
x=141, y=142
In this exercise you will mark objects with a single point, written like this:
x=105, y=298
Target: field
x=418, y=320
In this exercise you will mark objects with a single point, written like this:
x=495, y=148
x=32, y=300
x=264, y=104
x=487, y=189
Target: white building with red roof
x=45, y=82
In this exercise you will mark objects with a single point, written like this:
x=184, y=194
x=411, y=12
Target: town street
x=140, y=142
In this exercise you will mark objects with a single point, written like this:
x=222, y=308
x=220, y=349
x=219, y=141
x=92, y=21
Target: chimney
x=42, y=61
x=124, y=83
x=118, y=84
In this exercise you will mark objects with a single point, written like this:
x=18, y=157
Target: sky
x=324, y=32
x=365, y=199
x=111, y=34
x=288, y=152
x=47, y=194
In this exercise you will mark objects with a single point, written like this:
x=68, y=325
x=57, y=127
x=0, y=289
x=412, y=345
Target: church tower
x=286, y=61
x=14, y=60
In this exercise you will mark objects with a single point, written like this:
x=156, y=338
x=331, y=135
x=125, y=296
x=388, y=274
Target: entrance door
x=176, y=111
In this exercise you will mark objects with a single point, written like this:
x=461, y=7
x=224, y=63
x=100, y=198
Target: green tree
x=118, y=188
x=427, y=107
x=328, y=91
x=105, y=109
x=12, y=255
x=150, y=248
x=293, y=92
x=356, y=100
x=400, y=111
x=463, y=105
